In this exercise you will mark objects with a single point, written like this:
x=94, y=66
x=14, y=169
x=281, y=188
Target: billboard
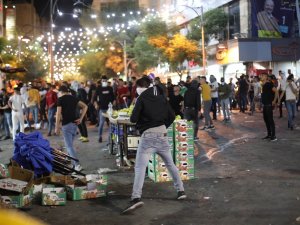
x=272, y=18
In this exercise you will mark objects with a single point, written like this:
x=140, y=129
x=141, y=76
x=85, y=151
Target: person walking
x=206, y=97
x=269, y=98
x=7, y=114
x=232, y=99
x=81, y=95
x=51, y=103
x=214, y=95
x=290, y=92
x=66, y=110
x=152, y=116
x=192, y=105
x=224, y=94
x=104, y=96
x=243, y=91
x=16, y=102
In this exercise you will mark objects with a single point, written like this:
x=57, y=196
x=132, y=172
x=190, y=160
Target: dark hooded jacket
x=152, y=110
x=192, y=96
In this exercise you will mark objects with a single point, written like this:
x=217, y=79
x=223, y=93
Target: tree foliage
x=154, y=26
x=115, y=63
x=215, y=22
x=92, y=64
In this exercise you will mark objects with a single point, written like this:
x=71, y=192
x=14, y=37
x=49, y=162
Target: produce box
x=61, y=180
x=184, y=147
x=186, y=165
x=156, y=158
x=93, y=186
x=187, y=175
x=54, y=196
x=13, y=184
x=184, y=137
x=157, y=166
x=133, y=141
x=159, y=176
x=4, y=171
x=183, y=126
x=14, y=199
x=183, y=156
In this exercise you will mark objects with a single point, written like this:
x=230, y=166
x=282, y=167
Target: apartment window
x=234, y=19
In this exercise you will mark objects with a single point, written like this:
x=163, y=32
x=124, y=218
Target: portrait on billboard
x=272, y=18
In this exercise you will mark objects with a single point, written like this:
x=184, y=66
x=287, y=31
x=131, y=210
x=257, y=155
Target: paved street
x=241, y=180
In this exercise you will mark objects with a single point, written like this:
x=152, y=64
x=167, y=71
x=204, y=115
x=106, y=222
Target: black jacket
x=152, y=110
x=192, y=98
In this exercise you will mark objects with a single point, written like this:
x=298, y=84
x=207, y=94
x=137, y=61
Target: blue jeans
x=214, y=102
x=291, y=109
x=51, y=122
x=69, y=132
x=153, y=143
x=225, y=107
x=7, y=123
x=243, y=102
x=35, y=113
x=101, y=121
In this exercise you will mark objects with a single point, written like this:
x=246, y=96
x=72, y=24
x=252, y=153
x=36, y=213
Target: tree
x=93, y=64
x=154, y=26
x=115, y=63
x=215, y=22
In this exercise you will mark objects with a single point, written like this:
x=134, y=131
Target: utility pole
x=125, y=60
x=203, y=43
x=51, y=43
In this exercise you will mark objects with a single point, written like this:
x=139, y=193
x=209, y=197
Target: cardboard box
x=156, y=158
x=18, y=173
x=186, y=165
x=159, y=176
x=13, y=184
x=54, y=196
x=184, y=147
x=4, y=172
x=157, y=166
x=93, y=186
x=133, y=141
x=183, y=156
x=186, y=175
x=183, y=126
x=14, y=199
x=61, y=180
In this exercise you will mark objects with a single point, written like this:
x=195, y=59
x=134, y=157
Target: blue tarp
x=33, y=152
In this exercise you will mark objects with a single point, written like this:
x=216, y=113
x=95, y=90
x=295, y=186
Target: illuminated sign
x=10, y=23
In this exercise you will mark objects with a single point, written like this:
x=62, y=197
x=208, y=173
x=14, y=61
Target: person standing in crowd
x=214, y=95
x=192, y=105
x=133, y=90
x=92, y=112
x=290, y=91
x=51, y=103
x=33, y=103
x=232, y=99
x=281, y=86
x=16, y=103
x=224, y=94
x=170, y=87
x=188, y=81
x=269, y=98
x=7, y=114
x=67, y=110
x=82, y=96
x=257, y=95
x=104, y=96
x=162, y=88
x=176, y=101
x=243, y=91
x=206, y=97
x=122, y=95
x=152, y=116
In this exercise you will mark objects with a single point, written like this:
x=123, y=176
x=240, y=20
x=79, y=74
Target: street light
x=202, y=35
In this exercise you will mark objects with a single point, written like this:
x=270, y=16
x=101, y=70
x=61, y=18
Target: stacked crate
x=184, y=148
x=181, y=142
x=157, y=170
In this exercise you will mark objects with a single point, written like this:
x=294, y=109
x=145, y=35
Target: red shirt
x=51, y=98
x=121, y=91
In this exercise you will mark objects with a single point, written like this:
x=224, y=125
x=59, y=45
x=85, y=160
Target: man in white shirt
x=290, y=90
x=15, y=103
x=214, y=95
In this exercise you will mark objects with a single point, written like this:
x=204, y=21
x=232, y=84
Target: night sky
x=66, y=6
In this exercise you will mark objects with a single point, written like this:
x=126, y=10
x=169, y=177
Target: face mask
x=104, y=84
x=140, y=90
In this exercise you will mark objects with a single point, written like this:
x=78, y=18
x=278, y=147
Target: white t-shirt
x=214, y=86
x=289, y=94
x=257, y=89
x=17, y=102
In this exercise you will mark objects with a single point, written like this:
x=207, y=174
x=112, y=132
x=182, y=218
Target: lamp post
x=202, y=35
x=51, y=42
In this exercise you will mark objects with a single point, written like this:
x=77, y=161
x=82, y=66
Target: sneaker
x=78, y=167
x=100, y=140
x=204, y=128
x=212, y=127
x=266, y=137
x=133, y=205
x=273, y=139
x=81, y=138
x=84, y=139
x=181, y=195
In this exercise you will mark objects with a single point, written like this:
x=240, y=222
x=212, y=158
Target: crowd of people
x=40, y=105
